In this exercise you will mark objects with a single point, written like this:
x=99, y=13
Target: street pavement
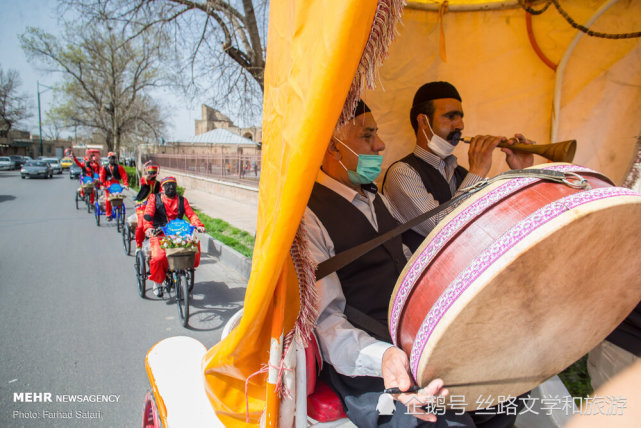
x=73, y=322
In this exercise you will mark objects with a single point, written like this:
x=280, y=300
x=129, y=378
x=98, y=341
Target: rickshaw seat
x=323, y=405
x=174, y=370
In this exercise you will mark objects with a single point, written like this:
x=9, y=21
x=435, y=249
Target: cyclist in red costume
x=111, y=174
x=160, y=210
x=89, y=167
x=149, y=187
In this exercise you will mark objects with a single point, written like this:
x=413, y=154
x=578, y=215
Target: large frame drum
x=518, y=282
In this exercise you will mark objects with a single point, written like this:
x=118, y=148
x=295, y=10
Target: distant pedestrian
x=255, y=165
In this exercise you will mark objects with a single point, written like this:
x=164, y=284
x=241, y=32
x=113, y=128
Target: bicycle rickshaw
x=179, y=279
x=117, y=200
x=316, y=59
x=88, y=186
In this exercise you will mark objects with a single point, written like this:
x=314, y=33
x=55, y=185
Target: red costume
x=112, y=174
x=148, y=190
x=158, y=264
x=89, y=168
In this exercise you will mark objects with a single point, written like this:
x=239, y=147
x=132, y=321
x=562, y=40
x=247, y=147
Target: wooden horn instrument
x=556, y=152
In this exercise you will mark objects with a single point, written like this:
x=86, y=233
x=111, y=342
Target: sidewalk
x=241, y=215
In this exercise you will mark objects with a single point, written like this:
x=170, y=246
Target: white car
x=55, y=165
x=6, y=163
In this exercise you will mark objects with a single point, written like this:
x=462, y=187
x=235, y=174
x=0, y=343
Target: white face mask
x=440, y=146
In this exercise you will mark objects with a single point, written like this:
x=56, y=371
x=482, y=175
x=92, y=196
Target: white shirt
x=350, y=350
x=409, y=198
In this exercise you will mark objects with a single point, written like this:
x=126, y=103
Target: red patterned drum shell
x=517, y=283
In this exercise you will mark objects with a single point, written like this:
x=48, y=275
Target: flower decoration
x=179, y=241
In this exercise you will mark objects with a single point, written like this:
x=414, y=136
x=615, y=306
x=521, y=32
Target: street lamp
x=39, y=118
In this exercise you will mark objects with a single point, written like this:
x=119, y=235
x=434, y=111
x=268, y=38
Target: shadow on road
x=212, y=304
x=6, y=198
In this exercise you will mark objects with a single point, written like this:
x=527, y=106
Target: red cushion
x=314, y=362
x=323, y=404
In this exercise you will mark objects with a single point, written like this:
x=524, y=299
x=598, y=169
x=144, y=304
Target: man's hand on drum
x=480, y=153
x=518, y=160
x=395, y=368
x=200, y=229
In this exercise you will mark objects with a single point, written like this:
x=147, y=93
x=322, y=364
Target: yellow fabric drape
x=313, y=51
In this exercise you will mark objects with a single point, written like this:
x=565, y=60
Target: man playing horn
x=344, y=210
x=430, y=175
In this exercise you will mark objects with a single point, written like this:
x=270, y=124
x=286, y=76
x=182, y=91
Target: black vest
x=115, y=173
x=369, y=281
x=88, y=170
x=146, y=190
x=160, y=215
x=434, y=183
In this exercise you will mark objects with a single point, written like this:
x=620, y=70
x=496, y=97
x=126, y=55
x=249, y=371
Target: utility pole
x=39, y=119
x=39, y=116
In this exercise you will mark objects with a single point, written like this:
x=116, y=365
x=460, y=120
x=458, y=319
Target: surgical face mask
x=367, y=170
x=440, y=146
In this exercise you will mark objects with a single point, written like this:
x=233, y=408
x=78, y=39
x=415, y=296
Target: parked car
x=37, y=168
x=66, y=162
x=18, y=160
x=55, y=165
x=74, y=171
x=7, y=163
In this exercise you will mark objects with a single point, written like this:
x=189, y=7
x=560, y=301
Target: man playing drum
x=344, y=210
x=430, y=175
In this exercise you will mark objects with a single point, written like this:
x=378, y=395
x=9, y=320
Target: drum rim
x=560, y=213
x=405, y=285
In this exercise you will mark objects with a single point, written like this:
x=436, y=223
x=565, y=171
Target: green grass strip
x=239, y=240
x=577, y=379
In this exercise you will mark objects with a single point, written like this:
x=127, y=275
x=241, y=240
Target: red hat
x=168, y=180
x=150, y=167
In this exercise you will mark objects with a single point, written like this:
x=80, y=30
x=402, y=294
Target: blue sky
x=15, y=17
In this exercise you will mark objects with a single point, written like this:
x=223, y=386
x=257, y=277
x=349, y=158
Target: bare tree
x=107, y=76
x=13, y=106
x=221, y=43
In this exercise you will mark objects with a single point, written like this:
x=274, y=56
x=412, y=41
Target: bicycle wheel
x=88, y=202
x=122, y=217
x=77, y=198
x=126, y=242
x=182, y=296
x=150, y=415
x=117, y=213
x=141, y=273
x=190, y=275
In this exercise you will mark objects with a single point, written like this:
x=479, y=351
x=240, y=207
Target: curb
x=227, y=255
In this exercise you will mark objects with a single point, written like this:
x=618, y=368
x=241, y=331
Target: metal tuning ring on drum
x=575, y=181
